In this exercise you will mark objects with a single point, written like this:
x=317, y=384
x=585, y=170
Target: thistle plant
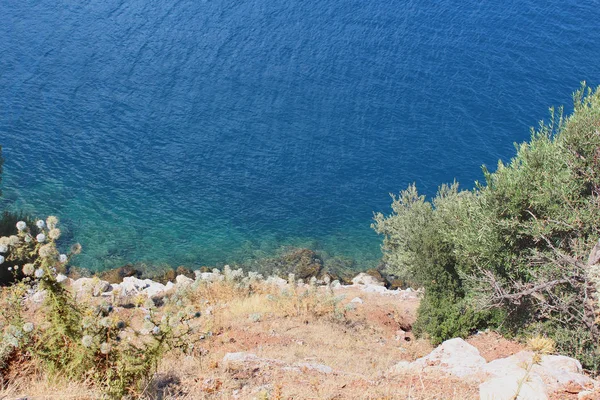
x=77, y=340
x=540, y=346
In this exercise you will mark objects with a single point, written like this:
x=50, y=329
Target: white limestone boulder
x=372, y=288
x=454, y=357
x=277, y=281
x=513, y=387
x=366, y=279
x=132, y=286
x=557, y=372
x=208, y=276
x=93, y=286
x=183, y=281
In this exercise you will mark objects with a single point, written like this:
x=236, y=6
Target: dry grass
x=357, y=342
x=40, y=387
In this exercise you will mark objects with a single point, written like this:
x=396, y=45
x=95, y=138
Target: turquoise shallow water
x=204, y=132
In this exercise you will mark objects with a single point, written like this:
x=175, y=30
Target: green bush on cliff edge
x=514, y=253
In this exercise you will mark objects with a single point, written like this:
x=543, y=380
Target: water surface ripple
x=201, y=132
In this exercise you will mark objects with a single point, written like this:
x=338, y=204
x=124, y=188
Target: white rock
x=93, y=286
x=455, y=357
x=39, y=296
x=509, y=365
x=357, y=300
x=209, y=276
x=60, y=278
x=555, y=371
x=507, y=387
x=183, y=281
x=336, y=284
x=558, y=371
x=563, y=363
x=366, y=279
x=401, y=366
x=277, y=281
x=588, y=395
x=370, y=288
x=170, y=285
x=154, y=289
x=132, y=286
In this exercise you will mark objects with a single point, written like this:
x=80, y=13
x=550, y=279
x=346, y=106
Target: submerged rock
x=117, y=275
x=171, y=275
x=303, y=263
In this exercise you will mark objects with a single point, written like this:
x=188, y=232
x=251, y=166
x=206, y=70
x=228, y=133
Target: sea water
x=203, y=132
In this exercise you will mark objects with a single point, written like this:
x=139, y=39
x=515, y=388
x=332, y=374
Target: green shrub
x=518, y=243
x=441, y=318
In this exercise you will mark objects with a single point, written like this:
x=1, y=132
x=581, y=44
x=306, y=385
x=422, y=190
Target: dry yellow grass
x=358, y=344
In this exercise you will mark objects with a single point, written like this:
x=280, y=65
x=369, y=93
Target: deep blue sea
x=200, y=132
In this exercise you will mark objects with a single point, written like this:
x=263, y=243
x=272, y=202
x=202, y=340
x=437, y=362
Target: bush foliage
x=513, y=253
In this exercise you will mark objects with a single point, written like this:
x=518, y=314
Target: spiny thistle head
x=14, y=240
x=87, y=341
x=54, y=233
x=51, y=222
x=47, y=250
x=28, y=269
x=105, y=348
x=542, y=345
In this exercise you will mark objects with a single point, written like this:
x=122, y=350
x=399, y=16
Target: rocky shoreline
x=533, y=376
x=132, y=285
